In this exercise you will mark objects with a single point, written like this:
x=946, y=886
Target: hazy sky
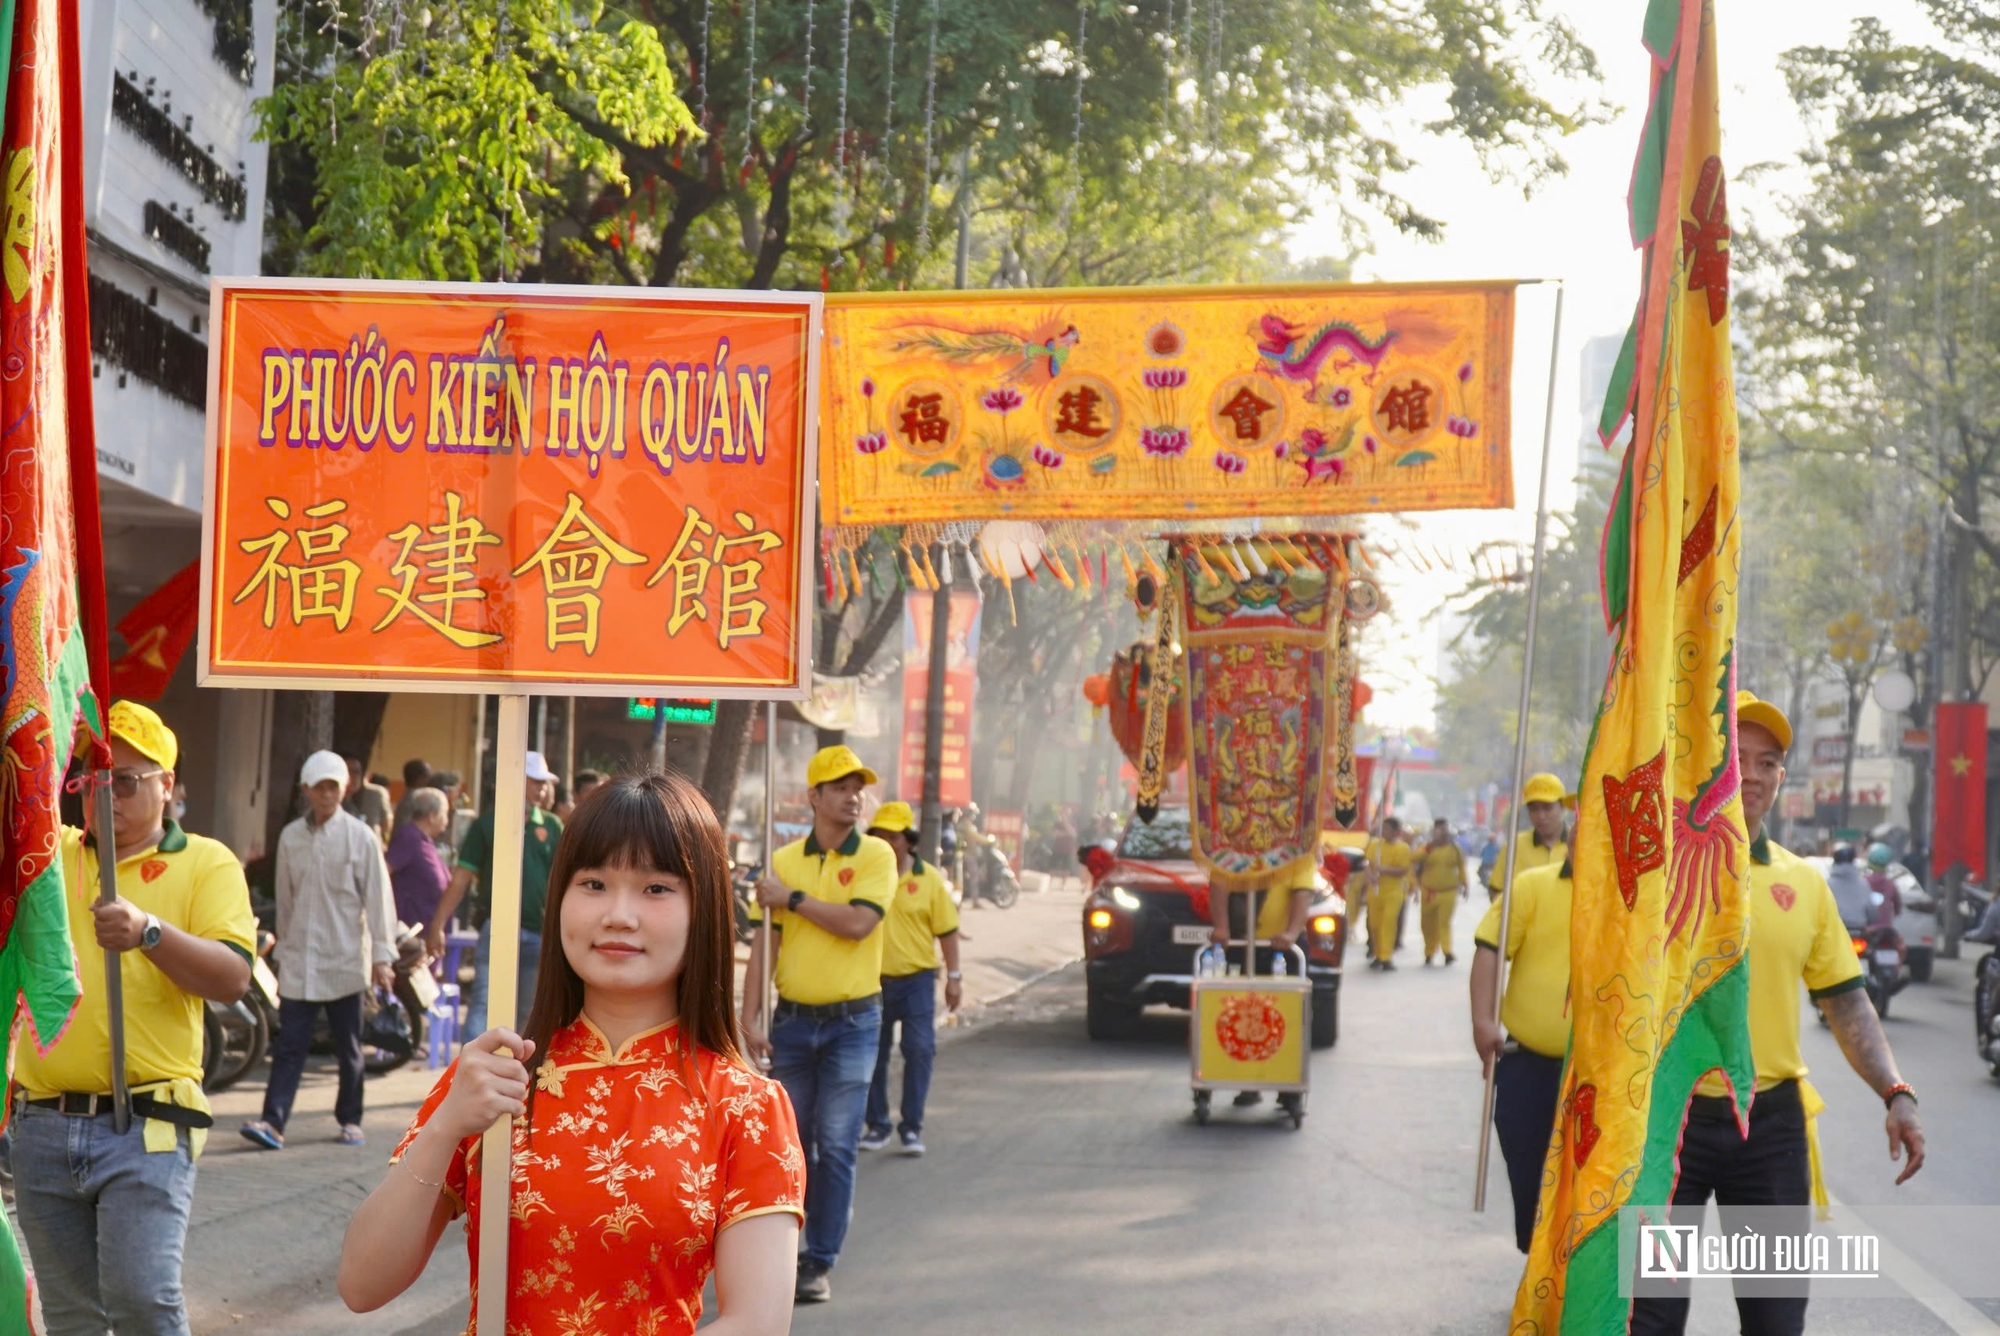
x=1574, y=229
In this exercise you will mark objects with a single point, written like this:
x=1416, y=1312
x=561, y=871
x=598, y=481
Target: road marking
x=1921, y=1285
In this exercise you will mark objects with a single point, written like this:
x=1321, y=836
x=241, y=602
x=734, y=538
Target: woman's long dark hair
x=662, y=822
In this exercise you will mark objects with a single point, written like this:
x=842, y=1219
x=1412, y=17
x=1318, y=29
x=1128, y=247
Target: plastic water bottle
x=1279, y=965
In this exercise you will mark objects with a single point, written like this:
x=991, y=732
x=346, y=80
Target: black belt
x=1722, y=1109
x=829, y=1011
x=913, y=974
x=143, y=1106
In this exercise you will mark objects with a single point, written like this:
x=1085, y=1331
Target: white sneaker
x=913, y=1145
x=874, y=1140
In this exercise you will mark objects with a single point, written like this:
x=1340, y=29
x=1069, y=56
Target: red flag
x=1959, y=829
x=157, y=632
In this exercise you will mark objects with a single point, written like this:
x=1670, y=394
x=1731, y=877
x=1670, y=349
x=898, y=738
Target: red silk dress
x=637, y=1161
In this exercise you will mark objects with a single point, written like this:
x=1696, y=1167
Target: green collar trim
x=172, y=839
x=916, y=865
x=1539, y=842
x=848, y=847
x=1568, y=870
x=1760, y=849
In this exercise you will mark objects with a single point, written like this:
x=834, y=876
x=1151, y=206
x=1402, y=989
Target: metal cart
x=1249, y=1032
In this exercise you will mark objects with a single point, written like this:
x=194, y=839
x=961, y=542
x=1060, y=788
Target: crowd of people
x=621, y=1063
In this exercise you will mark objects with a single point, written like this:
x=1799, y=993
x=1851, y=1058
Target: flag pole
x=766, y=1003
x=114, y=979
x=510, y=798
x=1520, y=745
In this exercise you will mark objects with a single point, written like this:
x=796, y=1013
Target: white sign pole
x=510, y=790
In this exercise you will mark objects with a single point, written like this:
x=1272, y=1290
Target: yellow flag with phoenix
x=1658, y=983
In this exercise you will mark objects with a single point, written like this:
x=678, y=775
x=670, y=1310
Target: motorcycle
x=1884, y=963
x=990, y=877
x=236, y=1035
x=743, y=896
x=1986, y=990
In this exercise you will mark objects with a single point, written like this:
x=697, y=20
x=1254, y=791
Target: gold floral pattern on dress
x=637, y=1159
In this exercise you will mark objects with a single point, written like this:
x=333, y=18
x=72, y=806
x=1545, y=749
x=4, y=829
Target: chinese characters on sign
x=503, y=489
x=1233, y=402
x=961, y=679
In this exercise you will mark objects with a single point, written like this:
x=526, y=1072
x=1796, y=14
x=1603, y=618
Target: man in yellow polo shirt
x=1796, y=936
x=1389, y=861
x=1546, y=841
x=1440, y=879
x=922, y=921
x=105, y=1216
x=1534, y=1015
x=826, y=894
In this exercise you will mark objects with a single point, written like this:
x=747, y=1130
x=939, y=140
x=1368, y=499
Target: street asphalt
x=1068, y=1190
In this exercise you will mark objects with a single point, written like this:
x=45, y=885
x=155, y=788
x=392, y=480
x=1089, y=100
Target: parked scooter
x=1986, y=988
x=236, y=1035
x=743, y=896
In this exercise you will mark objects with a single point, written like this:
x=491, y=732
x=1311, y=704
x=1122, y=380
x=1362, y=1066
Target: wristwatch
x=954, y=975
x=798, y=898
x=150, y=936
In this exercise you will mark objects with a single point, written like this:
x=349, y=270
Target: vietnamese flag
x=157, y=632
x=1959, y=830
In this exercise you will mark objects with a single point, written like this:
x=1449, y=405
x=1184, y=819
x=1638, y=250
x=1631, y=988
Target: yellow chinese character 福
x=450, y=575
x=575, y=558
x=319, y=587
x=692, y=561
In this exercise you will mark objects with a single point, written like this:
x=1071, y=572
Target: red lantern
x=1097, y=689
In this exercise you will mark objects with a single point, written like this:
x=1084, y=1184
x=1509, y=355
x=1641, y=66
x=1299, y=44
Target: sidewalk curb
x=952, y=1034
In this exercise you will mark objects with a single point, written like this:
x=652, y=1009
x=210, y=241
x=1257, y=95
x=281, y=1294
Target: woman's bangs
x=625, y=826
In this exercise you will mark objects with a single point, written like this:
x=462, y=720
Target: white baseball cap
x=321, y=766
x=538, y=768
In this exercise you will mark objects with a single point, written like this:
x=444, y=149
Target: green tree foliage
x=1479, y=698
x=1874, y=332
x=1102, y=142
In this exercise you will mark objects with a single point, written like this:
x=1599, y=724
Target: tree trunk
x=728, y=745
x=302, y=722
x=357, y=720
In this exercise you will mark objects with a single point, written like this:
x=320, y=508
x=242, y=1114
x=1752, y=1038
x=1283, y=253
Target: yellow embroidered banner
x=1166, y=402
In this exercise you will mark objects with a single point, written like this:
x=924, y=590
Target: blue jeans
x=296, y=1019
x=106, y=1223
x=524, y=994
x=912, y=1000
x=824, y=1067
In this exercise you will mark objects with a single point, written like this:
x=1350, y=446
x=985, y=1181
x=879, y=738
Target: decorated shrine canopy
x=1171, y=403
x=489, y=488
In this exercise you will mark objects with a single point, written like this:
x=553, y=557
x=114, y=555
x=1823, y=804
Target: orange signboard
x=460, y=487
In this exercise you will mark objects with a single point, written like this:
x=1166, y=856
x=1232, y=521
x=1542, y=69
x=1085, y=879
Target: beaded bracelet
x=1900, y=1088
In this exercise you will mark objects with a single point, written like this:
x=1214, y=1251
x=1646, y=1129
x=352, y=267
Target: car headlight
x=1124, y=899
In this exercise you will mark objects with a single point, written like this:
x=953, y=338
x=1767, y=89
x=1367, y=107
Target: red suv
x=1142, y=929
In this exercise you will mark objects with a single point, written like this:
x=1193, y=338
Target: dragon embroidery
x=1293, y=354
x=1705, y=838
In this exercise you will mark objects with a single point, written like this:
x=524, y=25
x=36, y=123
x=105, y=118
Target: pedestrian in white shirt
x=336, y=932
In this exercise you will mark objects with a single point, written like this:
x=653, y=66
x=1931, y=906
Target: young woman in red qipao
x=647, y=1154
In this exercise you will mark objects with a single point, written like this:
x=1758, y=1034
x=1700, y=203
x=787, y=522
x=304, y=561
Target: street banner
x=1658, y=985
x=961, y=683
x=481, y=487
x=1258, y=620
x=1960, y=821
x=1182, y=403
x=52, y=617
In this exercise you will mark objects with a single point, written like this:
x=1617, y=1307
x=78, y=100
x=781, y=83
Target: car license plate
x=1888, y=958
x=1191, y=934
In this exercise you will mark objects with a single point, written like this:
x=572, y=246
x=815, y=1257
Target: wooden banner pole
x=510, y=789
x=1520, y=749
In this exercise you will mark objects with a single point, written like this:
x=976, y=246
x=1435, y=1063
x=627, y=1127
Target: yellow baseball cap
x=831, y=763
x=1750, y=710
x=894, y=818
x=1542, y=789
x=144, y=732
